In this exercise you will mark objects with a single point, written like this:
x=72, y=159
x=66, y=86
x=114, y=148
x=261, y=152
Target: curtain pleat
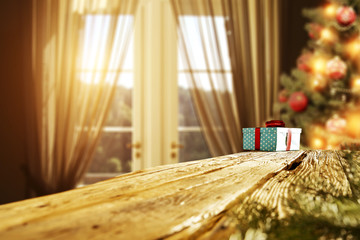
x=71, y=88
x=252, y=33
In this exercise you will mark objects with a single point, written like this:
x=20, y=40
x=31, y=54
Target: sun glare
x=97, y=64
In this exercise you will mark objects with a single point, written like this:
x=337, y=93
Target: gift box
x=271, y=139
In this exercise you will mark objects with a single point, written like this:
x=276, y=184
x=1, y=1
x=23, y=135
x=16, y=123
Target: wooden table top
x=249, y=195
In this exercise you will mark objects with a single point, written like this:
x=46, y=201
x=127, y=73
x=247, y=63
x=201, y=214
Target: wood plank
x=130, y=183
x=316, y=192
x=150, y=204
x=320, y=171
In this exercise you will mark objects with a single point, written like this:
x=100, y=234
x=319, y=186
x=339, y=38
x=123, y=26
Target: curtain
x=228, y=97
x=77, y=50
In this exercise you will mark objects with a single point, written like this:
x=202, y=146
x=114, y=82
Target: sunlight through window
x=95, y=49
x=112, y=156
x=209, y=73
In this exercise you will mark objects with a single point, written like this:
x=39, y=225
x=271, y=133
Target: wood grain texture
x=314, y=195
x=185, y=200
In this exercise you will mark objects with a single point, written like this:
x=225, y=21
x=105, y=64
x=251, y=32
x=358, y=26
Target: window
x=112, y=155
x=189, y=128
x=152, y=109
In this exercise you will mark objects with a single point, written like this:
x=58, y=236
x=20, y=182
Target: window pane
x=112, y=155
x=203, y=43
x=121, y=109
x=94, y=77
x=96, y=42
x=207, y=50
x=187, y=116
x=195, y=147
x=220, y=81
x=110, y=60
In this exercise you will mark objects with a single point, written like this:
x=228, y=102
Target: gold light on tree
x=353, y=124
x=317, y=82
x=317, y=142
x=330, y=10
x=327, y=35
x=352, y=48
x=355, y=84
x=318, y=65
x=316, y=138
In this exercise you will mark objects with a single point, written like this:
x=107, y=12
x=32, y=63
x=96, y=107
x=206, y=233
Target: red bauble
x=336, y=68
x=298, y=101
x=303, y=62
x=283, y=96
x=345, y=16
x=336, y=124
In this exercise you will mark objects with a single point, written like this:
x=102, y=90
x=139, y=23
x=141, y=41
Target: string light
x=319, y=65
x=327, y=35
x=352, y=48
x=353, y=124
x=317, y=143
x=355, y=84
x=317, y=83
x=330, y=10
x=316, y=137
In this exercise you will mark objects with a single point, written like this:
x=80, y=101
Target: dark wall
x=294, y=36
x=12, y=123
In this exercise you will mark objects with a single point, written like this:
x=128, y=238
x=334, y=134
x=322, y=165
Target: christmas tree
x=322, y=94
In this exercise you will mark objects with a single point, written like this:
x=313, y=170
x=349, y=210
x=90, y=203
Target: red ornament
x=298, y=101
x=283, y=96
x=345, y=16
x=303, y=62
x=336, y=124
x=336, y=68
x=315, y=30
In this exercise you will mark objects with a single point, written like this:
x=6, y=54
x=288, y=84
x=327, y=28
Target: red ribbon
x=272, y=123
x=257, y=138
x=288, y=140
x=275, y=123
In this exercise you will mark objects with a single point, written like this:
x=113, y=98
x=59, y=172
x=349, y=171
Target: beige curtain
x=252, y=32
x=77, y=52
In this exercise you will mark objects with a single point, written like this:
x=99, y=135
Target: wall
x=12, y=123
x=294, y=37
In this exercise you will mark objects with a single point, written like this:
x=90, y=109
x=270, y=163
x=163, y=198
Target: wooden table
x=249, y=195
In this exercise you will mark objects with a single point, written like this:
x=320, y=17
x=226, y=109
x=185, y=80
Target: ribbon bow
x=275, y=123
